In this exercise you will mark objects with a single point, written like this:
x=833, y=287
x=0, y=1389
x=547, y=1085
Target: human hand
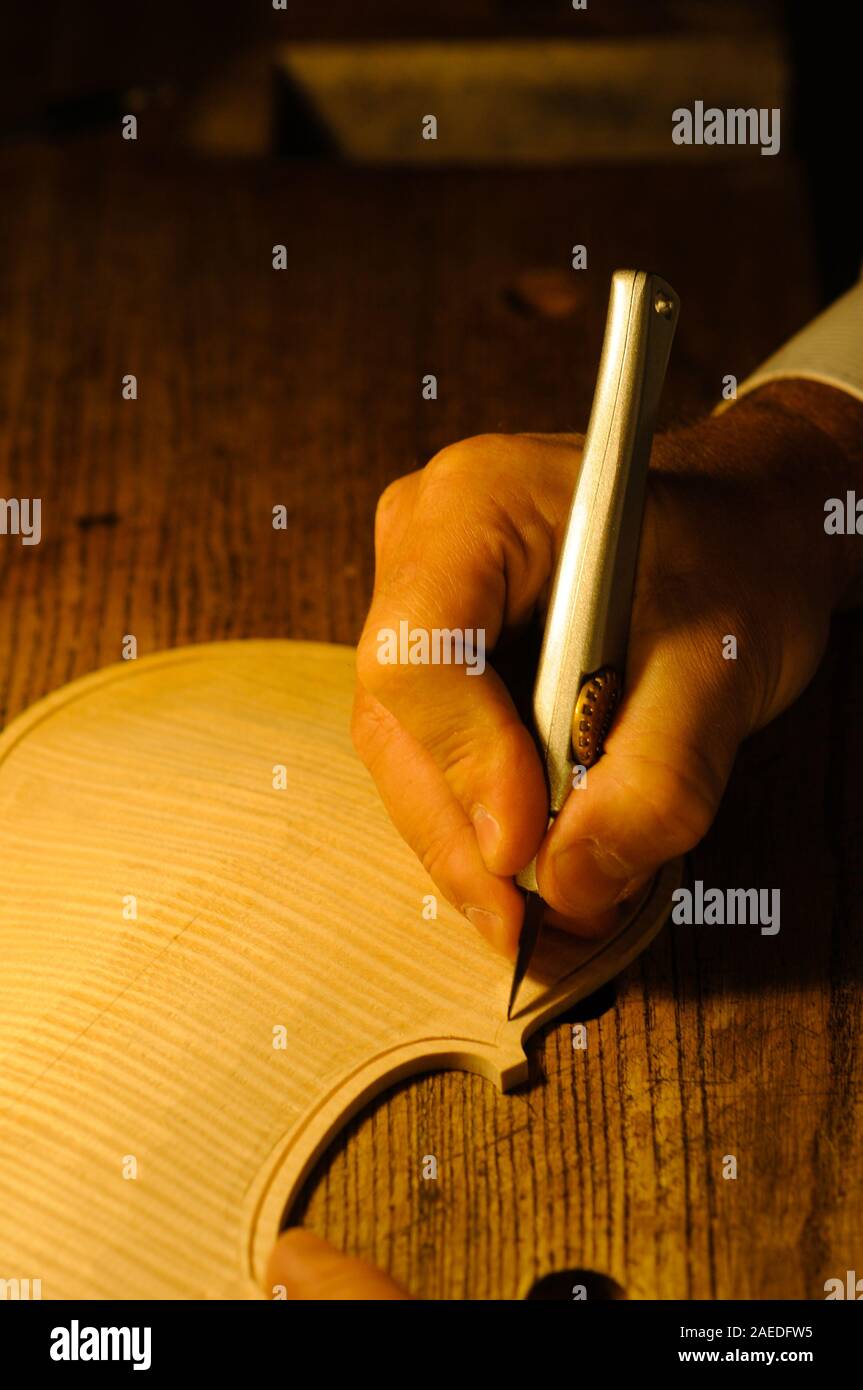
x=307, y=1267
x=733, y=545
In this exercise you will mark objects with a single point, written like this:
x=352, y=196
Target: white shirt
x=829, y=349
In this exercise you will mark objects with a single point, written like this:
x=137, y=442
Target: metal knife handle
x=588, y=618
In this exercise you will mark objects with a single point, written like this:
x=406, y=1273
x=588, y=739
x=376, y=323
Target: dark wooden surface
x=303, y=388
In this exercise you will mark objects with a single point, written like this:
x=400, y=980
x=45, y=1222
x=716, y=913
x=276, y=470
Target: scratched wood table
x=301, y=388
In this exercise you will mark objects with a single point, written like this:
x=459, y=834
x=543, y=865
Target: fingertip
x=293, y=1259
x=306, y=1267
x=510, y=810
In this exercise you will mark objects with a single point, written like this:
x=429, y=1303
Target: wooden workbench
x=302, y=387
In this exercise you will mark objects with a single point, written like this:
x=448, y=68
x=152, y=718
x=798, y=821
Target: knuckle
x=686, y=814
x=435, y=855
x=362, y=726
x=454, y=750
x=388, y=506
x=375, y=677
x=680, y=800
x=372, y=728
x=735, y=689
x=753, y=673
x=462, y=459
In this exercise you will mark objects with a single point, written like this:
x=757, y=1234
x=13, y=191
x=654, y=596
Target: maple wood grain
x=303, y=388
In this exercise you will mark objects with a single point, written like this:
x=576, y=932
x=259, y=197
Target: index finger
x=470, y=553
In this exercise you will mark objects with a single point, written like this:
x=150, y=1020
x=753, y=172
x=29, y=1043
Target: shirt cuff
x=829, y=349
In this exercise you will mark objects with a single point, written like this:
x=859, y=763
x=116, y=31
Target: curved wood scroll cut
x=205, y=974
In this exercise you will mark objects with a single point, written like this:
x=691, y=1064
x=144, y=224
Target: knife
x=583, y=657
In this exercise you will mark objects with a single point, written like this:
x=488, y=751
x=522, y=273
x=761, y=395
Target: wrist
x=836, y=414
x=789, y=446
x=818, y=433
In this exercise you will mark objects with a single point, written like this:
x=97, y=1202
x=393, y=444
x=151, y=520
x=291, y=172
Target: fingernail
x=590, y=878
x=487, y=833
x=489, y=924
x=632, y=887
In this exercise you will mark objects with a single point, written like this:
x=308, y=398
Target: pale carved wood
x=258, y=908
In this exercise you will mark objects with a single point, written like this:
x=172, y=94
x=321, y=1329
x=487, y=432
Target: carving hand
x=306, y=1267
x=733, y=547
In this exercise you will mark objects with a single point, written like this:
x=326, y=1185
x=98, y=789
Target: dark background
x=203, y=66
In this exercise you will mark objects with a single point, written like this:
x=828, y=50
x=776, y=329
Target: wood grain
x=216, y=948
x=257, y=389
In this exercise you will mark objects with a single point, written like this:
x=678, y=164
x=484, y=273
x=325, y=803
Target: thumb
x=308, y=1267
x=655, y=791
